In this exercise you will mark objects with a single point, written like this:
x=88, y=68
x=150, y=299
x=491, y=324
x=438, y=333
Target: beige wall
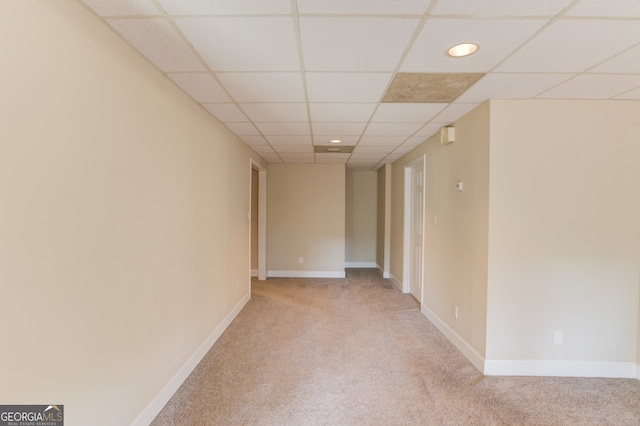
x=565, y=226
x=124, y=240
x=456, y=226
x=306, y=218
x=384, y=219
x=361, y=218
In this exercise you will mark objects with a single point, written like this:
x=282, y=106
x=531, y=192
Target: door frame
x=262, y=216
x=406, y=243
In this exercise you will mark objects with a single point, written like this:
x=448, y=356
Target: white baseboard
x=638, y=371
x=360, y=264
x=396, y=282
x=385, y=274
x=467, y=350
x=560, y=368
x=307, y=274
x=157, y=404
x=254, y=272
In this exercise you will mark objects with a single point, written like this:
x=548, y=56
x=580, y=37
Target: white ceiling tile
x=414, y=141
x=290, y=149
x=341, y=112
x=264, y=150
x=511, y=86
x=305, y=160
x=284, y=129
x=122, y=7
x=392, y=129
x=243, y=129
x=599, y=8
x=392, y=157
x=276, y=111
x=337, y=130
x=225, y=112
x=332, y=158
x=453, y=112
x=243, y=43
x=365, y=167
x=328, y=44
x=573, y=46
x=374, y=149
x=382, y=140
x=366, y=158
x=497, y=38
x=403, y=149
x=347, y=87
x=296, y=156
x=369, y=7
x=156, y=39
x=626, y=62
x=429, y=129
x=593, y=86
x=406, y=112
x=200, y=86
x=280, y=140
x=272, y=159
x=500, y=7
x=254, y=140
x=632, y=94
x=226, y=7
x=324, y=140
x=264, y=87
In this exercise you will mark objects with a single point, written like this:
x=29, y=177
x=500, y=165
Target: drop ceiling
x=288, y=75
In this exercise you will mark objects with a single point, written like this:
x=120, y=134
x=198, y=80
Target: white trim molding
x=307, y=274
x=626, y=370
x=360, y=265
x=467, y=350
x=385, y=274
x=638, y=371
x=254, y=272
x=395, y=281
x=157, y=404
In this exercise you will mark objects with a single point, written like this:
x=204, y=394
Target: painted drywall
x=456, y=227
x=361, y=213
x=306, y=219
x=124, y=240
x=383, y=245
x=564, y=244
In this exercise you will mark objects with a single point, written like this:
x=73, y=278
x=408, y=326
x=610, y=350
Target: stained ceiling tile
x=338, y=130
x=347, y=87
x=226, y=7
x=500, y=7
x=598, y=8
x=328, y=44
x=585, y=43
x=497, y=38
x=276, y=111
x=511, y=86
x=264, y=87
x=243, y=43
x=158, y=42
x=594, y=86
x=226, y=112
x=200, y=86
x=406, y=112
x=428, y=88
x=333, y=149
x=341, y=112
x=369, y=7
x=122, y=7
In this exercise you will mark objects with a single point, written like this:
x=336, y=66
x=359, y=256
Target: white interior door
x=414, y=228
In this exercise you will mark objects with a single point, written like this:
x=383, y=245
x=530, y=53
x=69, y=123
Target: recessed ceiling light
x=464, y=49
x=333, y=149
x=335, y=141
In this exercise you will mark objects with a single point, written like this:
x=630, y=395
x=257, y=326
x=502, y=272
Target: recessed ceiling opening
x=429, y=88
x=333, y=149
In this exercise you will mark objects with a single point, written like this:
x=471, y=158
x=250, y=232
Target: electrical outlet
x=301, y=260
x=454, y=312
x=557, y=337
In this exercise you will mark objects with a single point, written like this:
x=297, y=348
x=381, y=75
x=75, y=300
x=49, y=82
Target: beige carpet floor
x=356, y=351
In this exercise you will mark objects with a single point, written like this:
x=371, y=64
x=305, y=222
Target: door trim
x=262, y=217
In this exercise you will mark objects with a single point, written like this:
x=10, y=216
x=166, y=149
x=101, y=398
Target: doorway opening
x=258, y=215
x=413, y=242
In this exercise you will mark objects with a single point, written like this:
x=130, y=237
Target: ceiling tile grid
x=285, y=75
